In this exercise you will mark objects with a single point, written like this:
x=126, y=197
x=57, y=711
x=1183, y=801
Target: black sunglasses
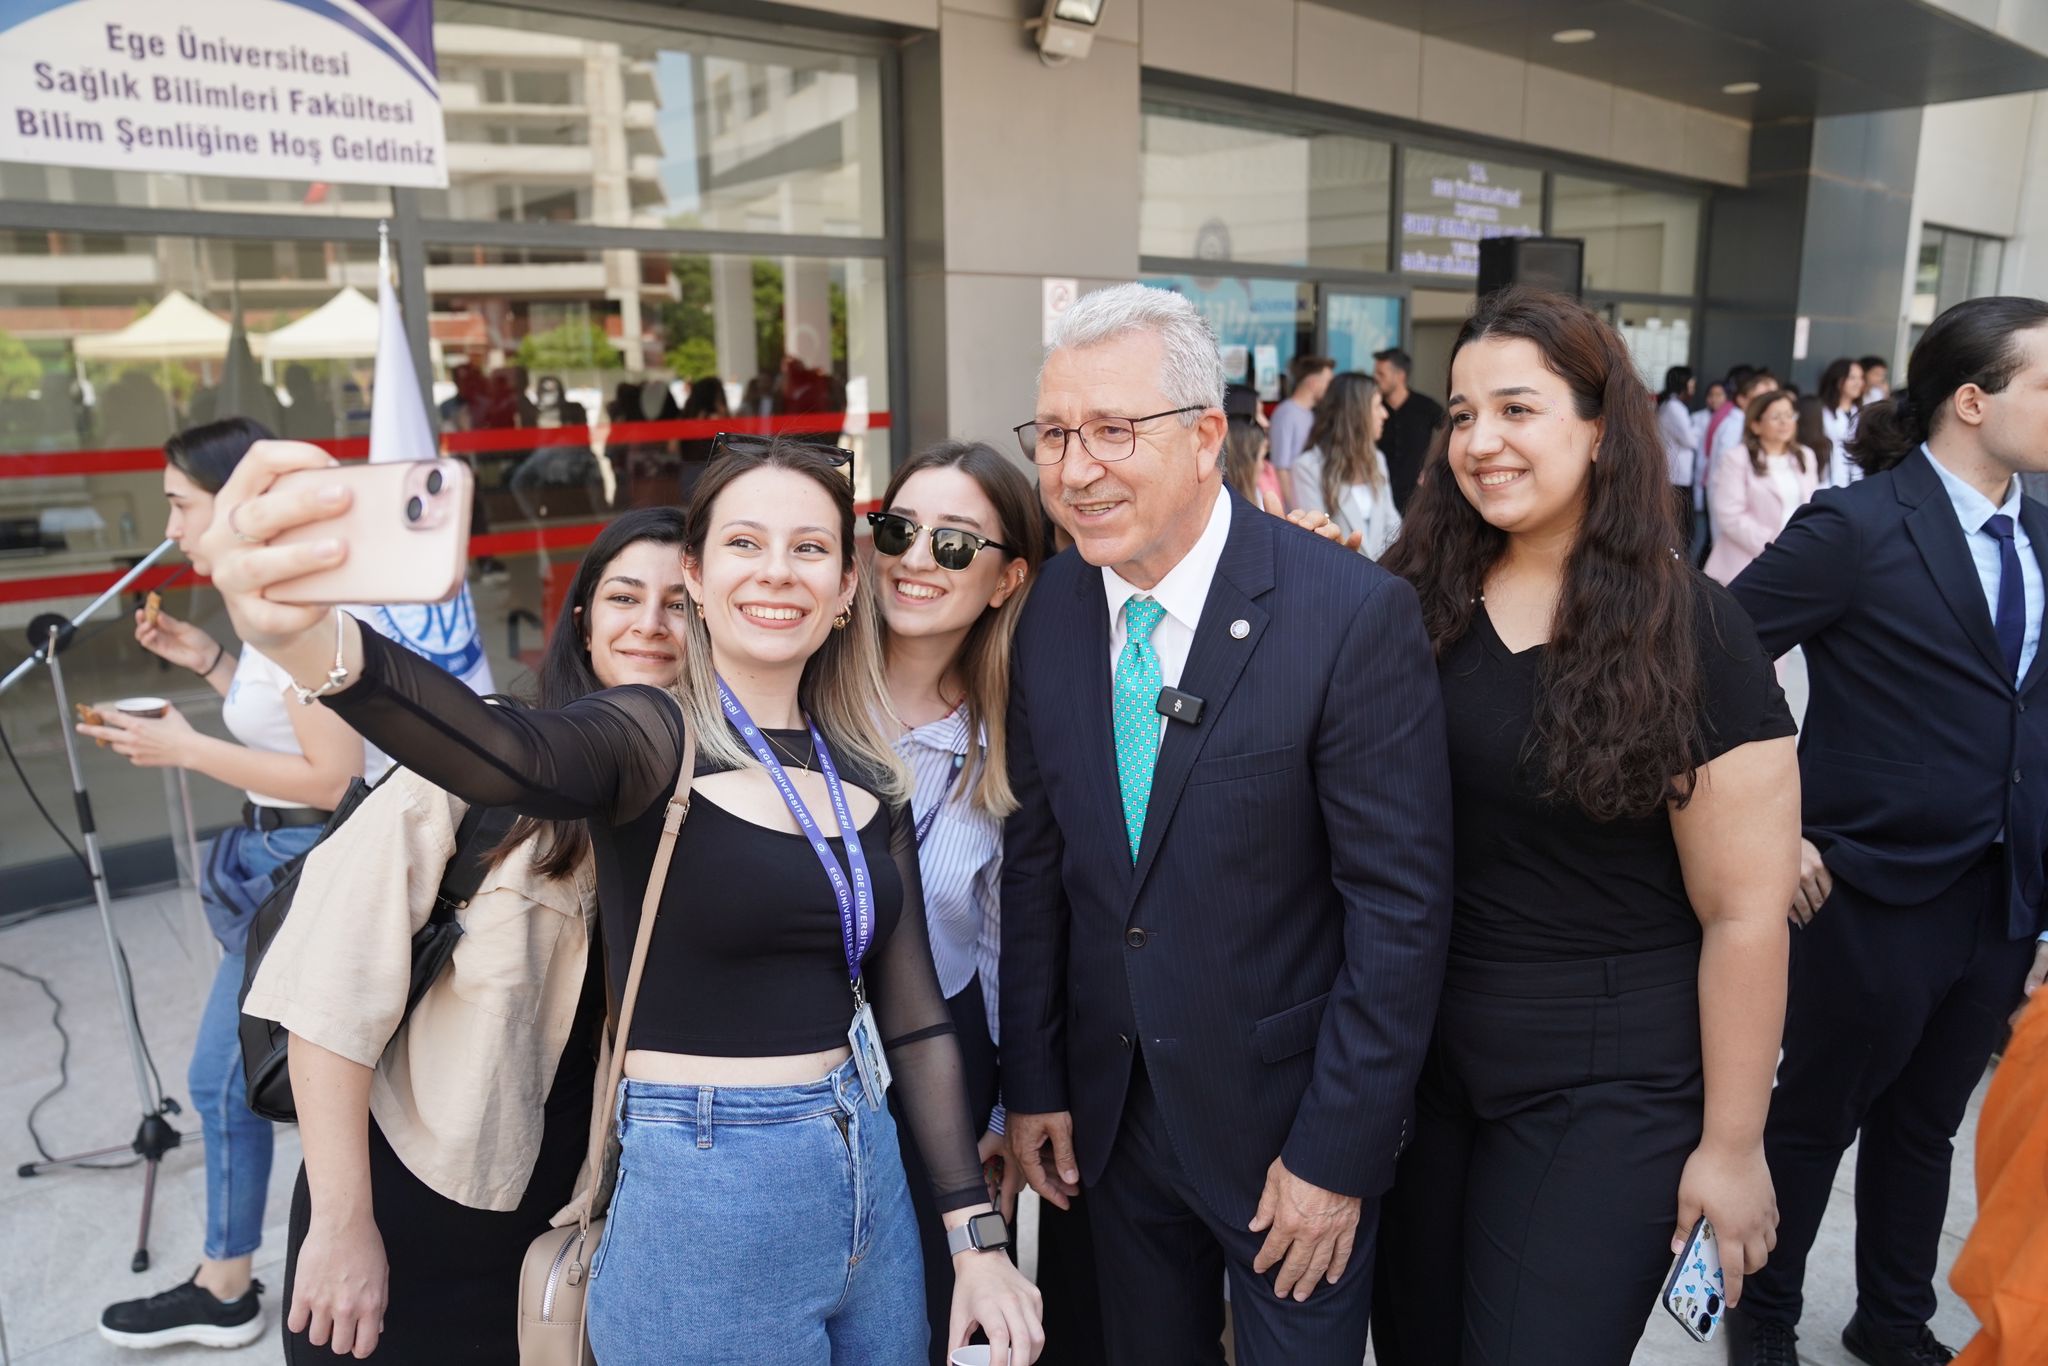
x=952, y=548
x=746, y=443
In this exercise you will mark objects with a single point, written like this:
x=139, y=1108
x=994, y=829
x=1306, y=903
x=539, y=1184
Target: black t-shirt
x=1405, y=442
x=1538, y=880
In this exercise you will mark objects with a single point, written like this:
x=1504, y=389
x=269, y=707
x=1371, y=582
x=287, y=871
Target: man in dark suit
x=1226, y=890
x=1918, y=594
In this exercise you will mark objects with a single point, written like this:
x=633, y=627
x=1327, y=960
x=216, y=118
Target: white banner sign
x=317, y=90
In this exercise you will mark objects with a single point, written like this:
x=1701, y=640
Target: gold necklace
x=803, y=763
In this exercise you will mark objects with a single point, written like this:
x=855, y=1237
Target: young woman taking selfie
x=436, y=1149
x=790, y=944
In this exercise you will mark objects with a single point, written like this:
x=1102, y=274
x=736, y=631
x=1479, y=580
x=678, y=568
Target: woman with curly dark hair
x=1626, y=820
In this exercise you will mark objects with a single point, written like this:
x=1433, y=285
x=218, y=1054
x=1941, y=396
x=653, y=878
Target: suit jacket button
x=1135, y=938
x=1124, y=1039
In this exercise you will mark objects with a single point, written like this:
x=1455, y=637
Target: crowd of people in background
x=1425, y=927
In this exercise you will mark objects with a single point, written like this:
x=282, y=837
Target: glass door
x=1356, y=325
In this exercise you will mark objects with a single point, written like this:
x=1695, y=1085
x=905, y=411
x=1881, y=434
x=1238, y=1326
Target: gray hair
x=1191, y=370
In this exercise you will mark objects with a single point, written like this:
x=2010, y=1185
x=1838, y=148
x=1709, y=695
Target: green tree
x=570, y=346
x=686, y=322
x=21, y=374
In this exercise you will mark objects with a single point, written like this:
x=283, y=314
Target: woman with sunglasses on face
x=437, y=1149
x=1625, y=813
x=791, y=929
x=955, y=549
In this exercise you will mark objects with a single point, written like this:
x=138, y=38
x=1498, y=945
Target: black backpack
x=264, y=1042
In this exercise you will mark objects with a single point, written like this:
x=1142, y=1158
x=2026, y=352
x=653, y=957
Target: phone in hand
x=1695, y=1293
x=407, y=532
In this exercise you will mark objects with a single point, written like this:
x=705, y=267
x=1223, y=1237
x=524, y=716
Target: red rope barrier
x=143, y=459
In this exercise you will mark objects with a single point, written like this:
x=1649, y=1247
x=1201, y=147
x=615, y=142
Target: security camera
x=1066, y=30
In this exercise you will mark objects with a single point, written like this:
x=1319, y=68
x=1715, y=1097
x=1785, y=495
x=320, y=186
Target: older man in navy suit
x=1226, y=892
x=1918, y=594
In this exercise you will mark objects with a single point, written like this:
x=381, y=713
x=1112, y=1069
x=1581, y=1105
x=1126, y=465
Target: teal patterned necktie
x=1137, y=714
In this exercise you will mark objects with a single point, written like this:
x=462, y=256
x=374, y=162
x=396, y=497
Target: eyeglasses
x=745, y=443
x=952, y=548
x=1104, y=438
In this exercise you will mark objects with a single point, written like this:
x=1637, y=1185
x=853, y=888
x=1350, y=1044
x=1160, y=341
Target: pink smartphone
x=407, y=533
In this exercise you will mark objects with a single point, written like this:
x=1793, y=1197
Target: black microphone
x=1176, y=705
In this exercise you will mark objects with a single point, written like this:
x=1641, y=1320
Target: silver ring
x=239, y=534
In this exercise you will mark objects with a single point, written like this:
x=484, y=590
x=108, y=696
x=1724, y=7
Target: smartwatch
x=983, y=1233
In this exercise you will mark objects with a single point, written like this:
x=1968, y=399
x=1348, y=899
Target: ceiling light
x=1573, y=35
x=1740, y=88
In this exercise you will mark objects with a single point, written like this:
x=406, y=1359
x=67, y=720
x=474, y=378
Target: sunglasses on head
x=746, y=443
x=952, y=548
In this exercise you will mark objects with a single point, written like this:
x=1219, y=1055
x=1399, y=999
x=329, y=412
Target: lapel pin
x=1240, y=628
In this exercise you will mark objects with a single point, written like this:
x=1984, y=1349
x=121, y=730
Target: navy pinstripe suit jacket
x=1278, y=948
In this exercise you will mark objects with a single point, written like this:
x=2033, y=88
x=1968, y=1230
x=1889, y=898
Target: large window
x=652, y=234
x=1285, y=234
x=1217, y=189
x=1953, y=266
x=1637, y=241
x=632, y=126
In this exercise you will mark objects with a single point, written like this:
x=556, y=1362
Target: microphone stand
x=48, y=635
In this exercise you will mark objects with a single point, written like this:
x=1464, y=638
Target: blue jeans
x=758, y=1224
x=238, y=1143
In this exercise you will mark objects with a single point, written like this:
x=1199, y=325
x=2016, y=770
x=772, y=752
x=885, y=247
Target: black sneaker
x=1759, y=1342
x=185, y=1313
x=1924, y=1349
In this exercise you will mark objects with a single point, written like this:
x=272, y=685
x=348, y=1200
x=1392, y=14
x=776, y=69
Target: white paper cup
x=980, y=1355
x=142, y=706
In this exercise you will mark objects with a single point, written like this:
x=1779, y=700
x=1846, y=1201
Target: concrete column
x=1842, y=188
x=1014, y=171
x=807, y=310
x=732, y=317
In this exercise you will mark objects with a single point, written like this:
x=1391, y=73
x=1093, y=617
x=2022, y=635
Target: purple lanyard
x=856, y=900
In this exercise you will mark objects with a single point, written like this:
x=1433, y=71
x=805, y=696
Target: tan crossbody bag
x=554, y=1279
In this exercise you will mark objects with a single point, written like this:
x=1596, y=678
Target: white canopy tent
x=176, y=329
x=343, y=328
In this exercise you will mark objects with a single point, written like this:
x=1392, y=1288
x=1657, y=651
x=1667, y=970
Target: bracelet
x=336, y=676
x=220, y=652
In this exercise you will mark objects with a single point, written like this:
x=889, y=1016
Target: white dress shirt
x=1182, y=593
x=1972, y=508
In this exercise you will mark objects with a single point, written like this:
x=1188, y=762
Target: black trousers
x=1530, y=1220
x=1066, y=1259
x=454, y=1270
x=1163, y=1258
x=1893, y=1014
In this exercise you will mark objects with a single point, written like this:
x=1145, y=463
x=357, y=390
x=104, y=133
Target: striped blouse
x=960, y=857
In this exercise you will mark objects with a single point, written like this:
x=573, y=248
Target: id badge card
x=868, y=1058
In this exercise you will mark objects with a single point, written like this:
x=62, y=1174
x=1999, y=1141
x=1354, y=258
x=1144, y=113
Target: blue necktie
x=2011, y=619
x=1137, y=714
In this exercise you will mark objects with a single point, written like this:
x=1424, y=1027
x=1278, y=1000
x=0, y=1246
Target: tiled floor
x=69, y=1236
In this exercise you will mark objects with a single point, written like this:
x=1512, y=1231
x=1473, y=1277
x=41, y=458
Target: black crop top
x=746, y=959
x=1537, y=880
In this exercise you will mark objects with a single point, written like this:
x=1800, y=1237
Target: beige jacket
x=459, y=1091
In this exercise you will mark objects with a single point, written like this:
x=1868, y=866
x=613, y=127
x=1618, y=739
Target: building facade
x=856, y=216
